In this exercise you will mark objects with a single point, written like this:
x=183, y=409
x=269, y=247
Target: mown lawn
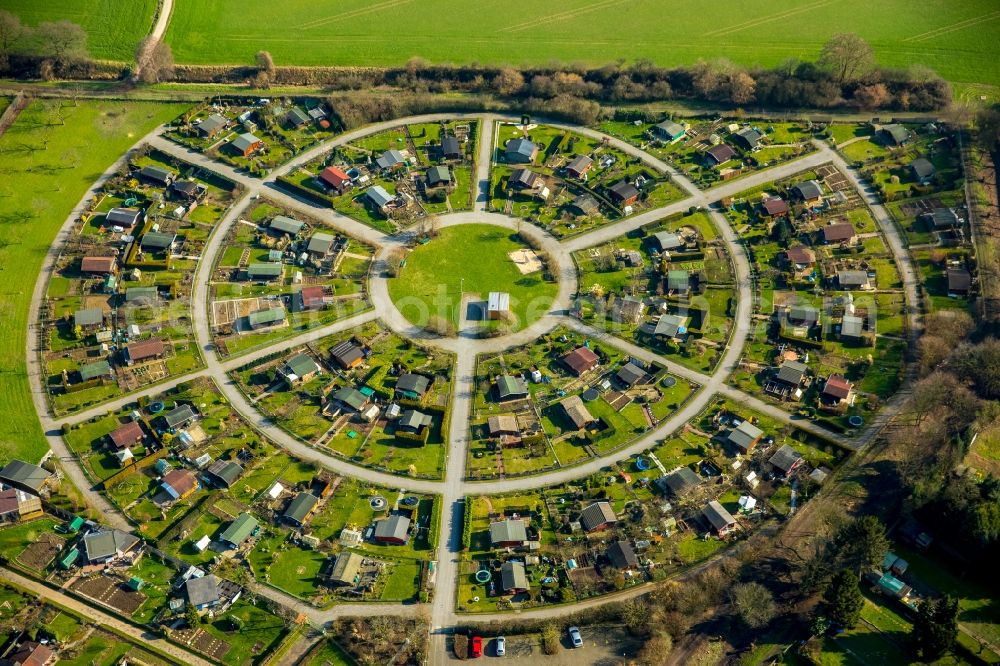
x=114, y=28
x=472, y=258
x=52, y=154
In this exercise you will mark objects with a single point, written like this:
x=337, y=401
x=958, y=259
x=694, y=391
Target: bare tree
x=753, y=603
x=265, y=62
x=63, y=41
x=509, y=81
x=155, y=61
x=742, y=87
x=847, y=56
x=11, y=33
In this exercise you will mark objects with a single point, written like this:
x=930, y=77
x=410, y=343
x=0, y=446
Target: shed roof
x=202, y=591
x=576, y=411
x=581, y=360
x=717, y=515
x=520, y=148
x=852, y=326
x=179, y=415
x=126, y=435
x=622, y=556
x=393, y=527
x=510, y=386
x=88, y=317
x=154, y=240
x=513, y=576
x=245, y=142
x=266, y=317
x=346, y=567
x=808, y=190
x=668, y=240
x=23, y=474
x=681, y=481
x=596, y=515
x=286, y=225
x=240, y=529
x=226, y=471
x=300, y=507
x=413, y=383
x=785, y=457
x=508, y=531
x=379, y=196
x=320, y=243
x=94, y=370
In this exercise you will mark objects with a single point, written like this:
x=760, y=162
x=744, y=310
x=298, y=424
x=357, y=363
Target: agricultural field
x=460, y=267
x=89, y=135
x=562, y=195
x=310, y=289
x=953, y=39
x=348, y=411
x=673, y=271
x=114, y=28
x=539, y=434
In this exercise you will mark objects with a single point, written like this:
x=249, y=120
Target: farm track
x=454, y=488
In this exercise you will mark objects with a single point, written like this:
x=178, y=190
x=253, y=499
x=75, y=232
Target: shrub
x=550, y=640
x=461, y=646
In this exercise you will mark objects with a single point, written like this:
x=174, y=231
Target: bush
x=550, y=640
x=461, y=646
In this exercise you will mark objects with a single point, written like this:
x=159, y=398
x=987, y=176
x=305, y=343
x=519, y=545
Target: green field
x=114, y=28
x=53, y=153
x=955, y=38
x=430, y=283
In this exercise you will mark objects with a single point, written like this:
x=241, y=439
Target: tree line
x=844, y=76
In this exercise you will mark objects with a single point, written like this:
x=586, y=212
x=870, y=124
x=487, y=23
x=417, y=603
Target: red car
x=477, y=647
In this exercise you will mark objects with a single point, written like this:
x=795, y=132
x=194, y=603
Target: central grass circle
x=470, y=260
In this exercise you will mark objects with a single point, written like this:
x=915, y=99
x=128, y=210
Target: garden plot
x=111, y=592
x=39, y=555
x=203, y=642
x=228, y=312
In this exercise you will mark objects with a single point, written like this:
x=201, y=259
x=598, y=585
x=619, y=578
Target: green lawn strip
x=89, y=137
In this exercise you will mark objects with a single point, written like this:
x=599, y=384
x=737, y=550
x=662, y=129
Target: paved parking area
x=602, y=646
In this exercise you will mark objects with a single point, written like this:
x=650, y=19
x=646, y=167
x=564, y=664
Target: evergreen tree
x=843, y=599
x=936, y=628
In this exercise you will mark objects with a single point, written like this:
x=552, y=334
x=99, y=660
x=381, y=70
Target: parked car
x=574, y=635
x=501, y=646
x=477, y=647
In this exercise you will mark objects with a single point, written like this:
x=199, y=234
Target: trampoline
x=590, y=394
x=483, y=576
x=856, y=421
x=378, y=503
x=641, y=464
x=155, y=407
x=668, y=381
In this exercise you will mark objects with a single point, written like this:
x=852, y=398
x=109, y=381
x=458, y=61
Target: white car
x=501, y=646
x=574, y=635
